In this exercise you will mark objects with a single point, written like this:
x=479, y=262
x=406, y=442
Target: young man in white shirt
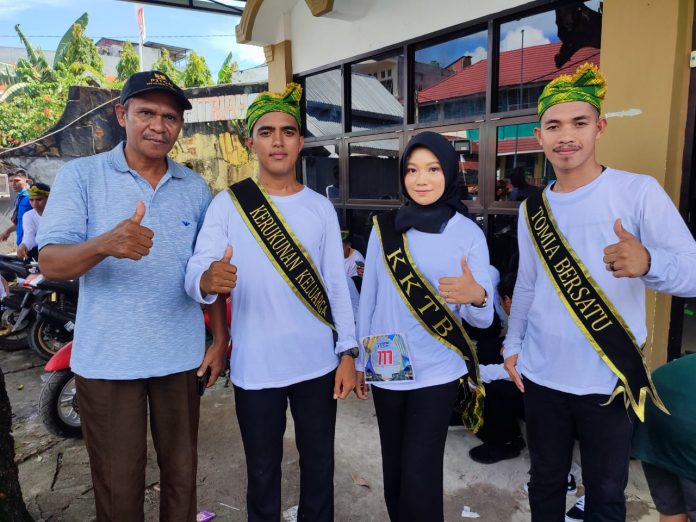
x=291, y=341
x=38, y=196
x=577, y=358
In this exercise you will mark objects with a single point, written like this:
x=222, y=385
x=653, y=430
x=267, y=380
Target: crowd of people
x=416, y=322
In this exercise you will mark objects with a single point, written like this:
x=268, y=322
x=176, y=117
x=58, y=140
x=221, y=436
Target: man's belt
x=282, y=248
x=591, y=310
x=431, y=311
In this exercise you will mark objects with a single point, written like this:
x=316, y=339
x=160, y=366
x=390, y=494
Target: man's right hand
x=511, y=367
x=4, y=235
x=129, y=239
x=221, y=276
x=22, y=252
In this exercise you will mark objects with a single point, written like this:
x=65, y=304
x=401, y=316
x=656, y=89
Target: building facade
x=376, y=72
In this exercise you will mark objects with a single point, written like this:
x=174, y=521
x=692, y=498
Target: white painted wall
x=359, y=26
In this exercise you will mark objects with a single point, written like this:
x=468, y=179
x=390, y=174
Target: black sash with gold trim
x=282, y=248
x=431, y=311
x=590, y=308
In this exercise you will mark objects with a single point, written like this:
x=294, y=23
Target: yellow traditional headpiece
x=39, y=190
x=287, y=101
x=587, y=85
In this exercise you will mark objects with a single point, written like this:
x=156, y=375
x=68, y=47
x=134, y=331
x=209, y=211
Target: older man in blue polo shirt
x=125, y=223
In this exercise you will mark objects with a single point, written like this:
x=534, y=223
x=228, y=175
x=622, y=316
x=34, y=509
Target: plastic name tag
x=387, y=358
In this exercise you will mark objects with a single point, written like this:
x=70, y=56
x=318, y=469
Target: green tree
x=228, y=67
x=81, y=49
x=129, y=62
x=196, y=73
x=166, y=65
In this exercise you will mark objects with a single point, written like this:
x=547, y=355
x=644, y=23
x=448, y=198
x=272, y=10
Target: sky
x=45, y=21
x=538, y=29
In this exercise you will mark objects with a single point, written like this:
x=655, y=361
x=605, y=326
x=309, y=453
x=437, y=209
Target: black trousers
x=554, y=418
x=413, y=431
x=503, y=408
x=261, y=415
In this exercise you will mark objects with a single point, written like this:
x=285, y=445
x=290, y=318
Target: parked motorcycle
x=58, y=408
x=54, y=304
x=13, y=330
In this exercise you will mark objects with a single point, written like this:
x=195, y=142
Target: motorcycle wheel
x=46, y=339
x=58, y=405
x=11, y=341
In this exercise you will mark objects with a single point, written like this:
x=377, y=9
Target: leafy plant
x=129, y=62
x=229, y=66
x=166, y=65
x=196, y=73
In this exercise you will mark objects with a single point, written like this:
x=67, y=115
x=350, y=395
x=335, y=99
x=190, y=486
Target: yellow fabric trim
x=270, y=256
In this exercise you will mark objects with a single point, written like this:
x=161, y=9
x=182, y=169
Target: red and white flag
x=140, y=14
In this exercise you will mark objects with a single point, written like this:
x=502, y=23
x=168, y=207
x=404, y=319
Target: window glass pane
x=374, y=169
x=535, y=49
x=319, y=167
x=521, y=167
x=360, y=226
x=503, y=248
x=323, y=104
x=466, y=143
x=377, y=99
x=450, y=79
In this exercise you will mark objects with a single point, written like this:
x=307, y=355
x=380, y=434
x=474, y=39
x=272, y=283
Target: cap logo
x=160, y=80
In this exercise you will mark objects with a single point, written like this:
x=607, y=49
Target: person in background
x=353, y=259
x=38, y=196
x=19, y=181
x=666, y=444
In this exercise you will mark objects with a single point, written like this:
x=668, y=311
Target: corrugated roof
x=369, y=95
x=538, y=67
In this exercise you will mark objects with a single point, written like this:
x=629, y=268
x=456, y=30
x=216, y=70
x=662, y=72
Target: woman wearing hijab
x=426, y=269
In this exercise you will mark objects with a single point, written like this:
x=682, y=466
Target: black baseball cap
x=147, y=81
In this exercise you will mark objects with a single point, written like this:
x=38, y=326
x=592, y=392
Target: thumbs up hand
x=628, y=257
x=129, y=239
x=221, y=276
x=462, y=289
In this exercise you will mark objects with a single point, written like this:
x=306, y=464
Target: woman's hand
x=462, y=289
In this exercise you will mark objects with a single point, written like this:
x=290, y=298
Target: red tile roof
x=538, y=67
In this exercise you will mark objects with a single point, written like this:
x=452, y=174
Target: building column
x=279, y=61
x=645, y=58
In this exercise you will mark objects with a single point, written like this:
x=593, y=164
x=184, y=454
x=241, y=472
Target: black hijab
x=432, y=218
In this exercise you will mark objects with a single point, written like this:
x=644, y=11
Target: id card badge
x=387, y=358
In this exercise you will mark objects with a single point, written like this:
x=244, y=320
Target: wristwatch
x=353, y=352
x=485, y=300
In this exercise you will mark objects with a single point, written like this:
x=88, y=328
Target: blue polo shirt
x=134, y=318
x=22, y=206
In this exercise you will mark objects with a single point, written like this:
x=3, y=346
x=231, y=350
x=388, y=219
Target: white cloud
x=532, y=37
x=480, y=53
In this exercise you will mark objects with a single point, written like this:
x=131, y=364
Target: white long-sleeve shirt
x=553, y=351
x=30, y=224
x=382, y=311
x=276, y=340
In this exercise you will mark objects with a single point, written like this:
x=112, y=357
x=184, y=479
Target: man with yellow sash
x=589, y=246
x=293, y=332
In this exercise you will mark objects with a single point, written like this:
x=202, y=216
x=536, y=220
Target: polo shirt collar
x=117, y=157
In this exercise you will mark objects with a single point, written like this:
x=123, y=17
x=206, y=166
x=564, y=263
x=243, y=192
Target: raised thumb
x=465, y=265
x=139, y=212
x=228, y=254
x=620, y=232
